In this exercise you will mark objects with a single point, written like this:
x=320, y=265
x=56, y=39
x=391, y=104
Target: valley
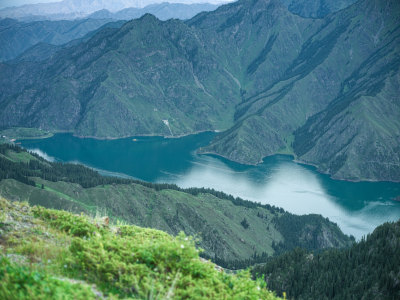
x=357, y=207
x=245, y=149
x=231, y=70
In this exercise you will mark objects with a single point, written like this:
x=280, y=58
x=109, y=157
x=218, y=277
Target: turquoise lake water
x=357, y=207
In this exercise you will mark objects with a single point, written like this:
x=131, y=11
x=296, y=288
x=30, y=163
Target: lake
x=357, y=207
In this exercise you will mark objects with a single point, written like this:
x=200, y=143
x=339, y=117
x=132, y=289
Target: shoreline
x=141, y=135
x=297, y=161
x=200, y=152
x=110, y=138
x=42, y=137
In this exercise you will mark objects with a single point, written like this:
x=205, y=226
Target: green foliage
x=21, y=133
x=244, y=223
x=21, y=283
x=146, y=262
x=368, y=270
x=61, y=220
x=239, y=264
x=306, y=232
x=122, y=261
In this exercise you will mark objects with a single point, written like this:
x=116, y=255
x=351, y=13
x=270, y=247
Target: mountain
x=120, y=63
x=42, y=51
x=367, y=270
x=72, y=9
x=323, y=90
x=163, y=11
x=16, y=37
x=233, y=232
x=13, y=3
x=122, y=10
x=316, y=8
x=63, y=9
x=287, y=90
x=58, y=255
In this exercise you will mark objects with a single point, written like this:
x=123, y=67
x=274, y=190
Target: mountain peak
x=147, y=17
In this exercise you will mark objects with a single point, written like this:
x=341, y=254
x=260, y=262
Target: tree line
x=87, y=177
x=370, y=269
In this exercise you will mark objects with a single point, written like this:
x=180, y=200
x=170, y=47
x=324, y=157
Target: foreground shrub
x=18, y=282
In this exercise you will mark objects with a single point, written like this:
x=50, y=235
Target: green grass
x=45, y=245
x=65, y=196
x=288, y=149
x=19, y=156
x=20, y=282
x=215, y=221
x=22, y=133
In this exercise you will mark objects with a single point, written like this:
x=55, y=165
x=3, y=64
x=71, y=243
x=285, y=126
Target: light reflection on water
x=291, y=186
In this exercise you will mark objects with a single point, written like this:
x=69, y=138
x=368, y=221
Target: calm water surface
x=356, y=207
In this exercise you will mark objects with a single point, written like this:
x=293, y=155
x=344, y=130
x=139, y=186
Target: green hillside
x=104, y=84
x=325, y=90
x=16, y=37
x=233, y=232
x=53, y=254
x=343, y=68
x=367, y=270
x=316, y=8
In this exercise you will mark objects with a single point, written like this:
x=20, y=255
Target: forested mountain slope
x=274, y=81
x=368, y=270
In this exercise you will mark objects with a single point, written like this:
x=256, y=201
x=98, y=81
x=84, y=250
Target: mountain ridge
x=283, y=141
x=17, y=37
x=233, y=69
x=70, y=9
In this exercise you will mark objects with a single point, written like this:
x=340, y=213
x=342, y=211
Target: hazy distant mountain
x=71, y=9
x=162, y=11
x=13, y=3
x=41, y=51
x=16, y=37
x=325, y=90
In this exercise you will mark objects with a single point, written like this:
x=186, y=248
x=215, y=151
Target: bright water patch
x=42, y=154
x=357, y=207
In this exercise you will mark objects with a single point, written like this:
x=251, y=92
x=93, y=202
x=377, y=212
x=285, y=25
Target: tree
x=244, y=223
